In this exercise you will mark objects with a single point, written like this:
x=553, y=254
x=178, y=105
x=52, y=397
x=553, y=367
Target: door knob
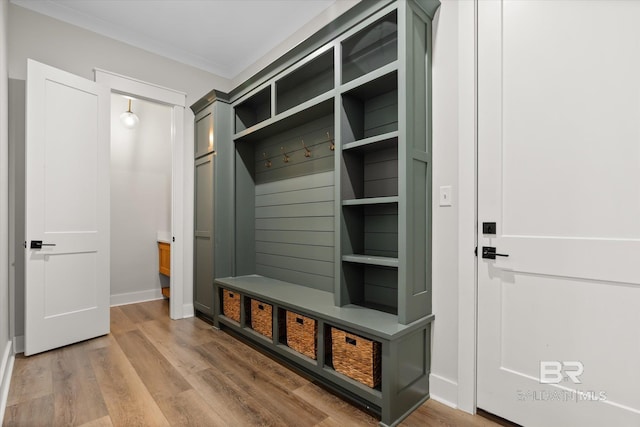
x=37, y=244
x=489, y=252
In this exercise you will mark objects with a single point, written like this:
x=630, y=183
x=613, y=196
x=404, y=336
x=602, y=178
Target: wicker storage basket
x=231, y=304
x=356, y=357
x=302, y=333
x=262, y=318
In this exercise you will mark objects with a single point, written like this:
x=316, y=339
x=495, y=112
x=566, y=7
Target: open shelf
x=371, y=260
x=372, y=286
x=371, y=48
x=299, y=115
x=370, y=231
x=370, y=201
x=253, y=110
x=370, y=109
x=370, y=168
x=310, y=80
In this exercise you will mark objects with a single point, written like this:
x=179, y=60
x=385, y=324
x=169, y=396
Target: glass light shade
x=129, y=119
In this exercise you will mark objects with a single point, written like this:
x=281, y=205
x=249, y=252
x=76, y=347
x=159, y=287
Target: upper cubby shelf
x=313, y=109
x=253, y=110
x=306, y=82
x=370, y=48
x=370, y=109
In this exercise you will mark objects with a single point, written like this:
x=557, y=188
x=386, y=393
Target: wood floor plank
x=120, y=322
x=32, y=412
x=139, y=313
x=227, y=399
x=258, y=361
x=340, y=411
x=189, y=409
x=127, y=399
x=77, y=395
x=158, y=375
x=174, y=348
x=264, y=385
x=31, y=378
x=434, y=413
x=100, y=422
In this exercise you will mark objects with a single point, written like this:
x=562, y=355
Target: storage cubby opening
x=370, y=171
x=370, y=109
x=310, y=80
x=372, y=286
x=370, y=48
x=371, y=230
x=354, y=356
x=231, y=304
x=253, y=110
x=259, y=317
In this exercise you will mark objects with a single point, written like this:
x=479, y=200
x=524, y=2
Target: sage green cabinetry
x=213, y=240
x=330, y=160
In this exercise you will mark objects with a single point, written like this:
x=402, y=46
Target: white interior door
x=559, y=173
x=67, y=207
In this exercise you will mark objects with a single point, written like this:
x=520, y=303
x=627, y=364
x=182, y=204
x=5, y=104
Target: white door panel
x=67, y=206
x=559, y=172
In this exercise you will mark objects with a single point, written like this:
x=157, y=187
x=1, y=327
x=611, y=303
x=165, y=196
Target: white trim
x=467, y=211
x=443, y=390
x=135, y=297
x=180, y=246
x=188, y=310
x=18, y=344
x=6, y=369
x=149, y=91
x=181, y=249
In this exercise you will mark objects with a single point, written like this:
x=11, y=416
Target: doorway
x=140, y=199
x=174, y=101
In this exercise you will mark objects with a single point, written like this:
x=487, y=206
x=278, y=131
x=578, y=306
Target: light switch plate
x=445, y=195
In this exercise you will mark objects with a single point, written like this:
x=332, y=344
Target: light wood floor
x=151, y=371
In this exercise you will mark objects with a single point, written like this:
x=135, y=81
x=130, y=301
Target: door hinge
x=475, y=251
x=173, y=239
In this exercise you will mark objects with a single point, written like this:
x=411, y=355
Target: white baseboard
x=6, y=370
x=443, y=390
x=188, y=311
x=18, y=344
x=135, y=297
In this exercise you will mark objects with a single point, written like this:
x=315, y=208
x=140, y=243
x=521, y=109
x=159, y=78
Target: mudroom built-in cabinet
x=324, y=177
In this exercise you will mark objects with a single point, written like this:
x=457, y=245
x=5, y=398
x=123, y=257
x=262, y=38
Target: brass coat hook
x=267, y=162
x=307, y=152
x=332, y=145
x=285, y=158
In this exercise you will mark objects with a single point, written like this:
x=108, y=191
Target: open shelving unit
x=331, y=200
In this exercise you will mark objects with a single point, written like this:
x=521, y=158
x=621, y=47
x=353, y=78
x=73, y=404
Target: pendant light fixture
x=128, y=118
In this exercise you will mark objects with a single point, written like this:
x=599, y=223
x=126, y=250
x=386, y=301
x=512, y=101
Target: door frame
x=129, y=86
x=467, y=204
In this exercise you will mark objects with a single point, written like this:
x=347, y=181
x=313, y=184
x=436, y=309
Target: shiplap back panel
x=381, y=173
x=381, y=286
x=294, y=230
x=381, y=114
x=317, y=136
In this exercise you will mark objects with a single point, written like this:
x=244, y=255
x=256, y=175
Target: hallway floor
x=152, y=371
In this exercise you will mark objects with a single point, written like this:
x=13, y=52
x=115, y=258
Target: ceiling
x=220, y=36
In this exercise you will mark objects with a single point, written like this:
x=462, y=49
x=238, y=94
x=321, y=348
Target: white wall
x=5, y=339
x=140, y=199
x=444, y=362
